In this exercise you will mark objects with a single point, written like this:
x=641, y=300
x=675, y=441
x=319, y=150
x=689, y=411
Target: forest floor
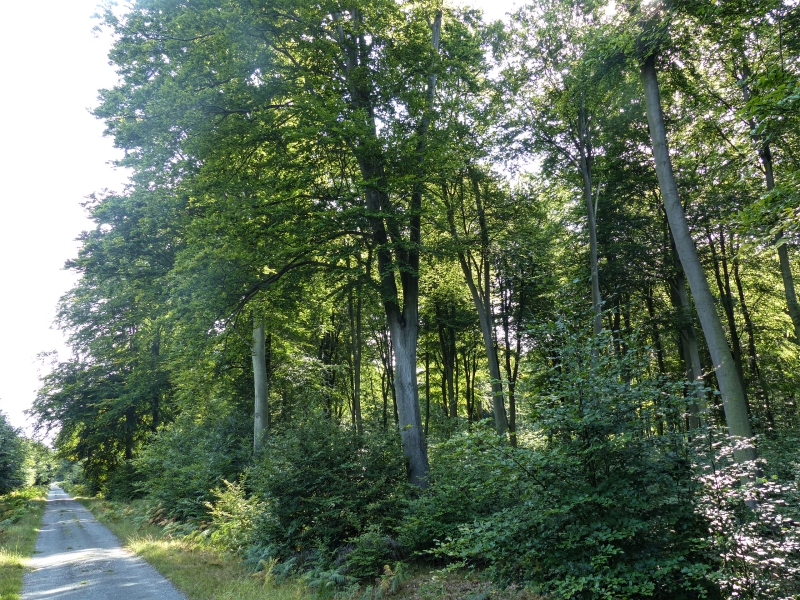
x=20, y=515
x=203, y=573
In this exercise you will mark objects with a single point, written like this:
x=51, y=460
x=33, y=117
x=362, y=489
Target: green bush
x=189, y=458
x=367, y=555
x=124, y=483
x=753, y=513
x=605, y=508
x=472, y=476
x=323, y=486
x=234, y=517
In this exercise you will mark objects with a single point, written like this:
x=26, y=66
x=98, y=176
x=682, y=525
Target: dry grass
x=199, y=572
x=20, y=515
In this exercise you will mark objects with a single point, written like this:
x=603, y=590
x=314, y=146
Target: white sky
x=53, y=155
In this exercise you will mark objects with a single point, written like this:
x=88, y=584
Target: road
x=78, y=558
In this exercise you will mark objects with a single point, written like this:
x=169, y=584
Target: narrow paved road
x=78, y=558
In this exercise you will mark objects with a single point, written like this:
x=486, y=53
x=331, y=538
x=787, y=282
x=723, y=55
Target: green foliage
x=234, y=517
x=41, y=463
x=324, y=486
x=605, y=508
x=189, y=458
x=473, y=475
x=367, y=554
x=15, y=505
x=753, y=513
x=12, y=457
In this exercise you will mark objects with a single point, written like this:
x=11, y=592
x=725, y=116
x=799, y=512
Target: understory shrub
x=473, y=475
x=604, y=507
x=189, y=458
x=753, y=513
x=323, y=487
x=234, y=517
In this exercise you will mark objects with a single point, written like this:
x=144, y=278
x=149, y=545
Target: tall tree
x=733, y=394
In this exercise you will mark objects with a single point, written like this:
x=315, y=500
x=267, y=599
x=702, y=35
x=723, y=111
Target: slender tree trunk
x=755, y=371
x=726, y=299
x=477, y=407
x=355, y=350
x=511, y=370
x=448, y=345
x=686, y=335
x=468, y=387
x=730, y=387
x=651, y=310
x=261, y=384
x=481, y=296
x=765, y=156
x=585, y=152
x=427, y=392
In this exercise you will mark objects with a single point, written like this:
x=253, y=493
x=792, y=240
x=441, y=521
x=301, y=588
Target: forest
x=393, y=286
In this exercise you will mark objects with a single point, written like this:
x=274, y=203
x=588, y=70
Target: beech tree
x=340, y=100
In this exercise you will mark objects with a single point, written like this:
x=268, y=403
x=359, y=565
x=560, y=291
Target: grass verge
x=20, y=515
x=203, y=573
x=200, y=572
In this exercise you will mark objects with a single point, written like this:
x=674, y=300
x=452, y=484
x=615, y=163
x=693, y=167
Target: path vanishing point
x=77, y=557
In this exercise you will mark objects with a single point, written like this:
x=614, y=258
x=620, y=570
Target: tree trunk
x=585, y=150
x=427, y=392
x=686, y=335
x=651, y=310
x=765, y=156
x=481, y=296
x=447, y=341
x=726, y=299
x=733, y=397
x=512, y=366
x=397, y=245
x=261, y=384
x=755, y=371
x=404, y=343
x=355, y=350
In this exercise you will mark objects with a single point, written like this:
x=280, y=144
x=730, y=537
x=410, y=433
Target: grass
x=200, y=572
x=20, y=515
x=203, y=573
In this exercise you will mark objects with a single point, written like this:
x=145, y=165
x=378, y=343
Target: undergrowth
x=20, y=515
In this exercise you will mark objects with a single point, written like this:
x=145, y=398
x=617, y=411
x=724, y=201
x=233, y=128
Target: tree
x=12, y=457
x=730, y=385
x=336, y=105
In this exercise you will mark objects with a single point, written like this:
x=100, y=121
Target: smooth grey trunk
x=397, y=245
x=691, y=353
x=585, y=165
x=733, y=397
x=404, y=344
x=261, y=384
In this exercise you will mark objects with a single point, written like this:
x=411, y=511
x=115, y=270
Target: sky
x=52, y=156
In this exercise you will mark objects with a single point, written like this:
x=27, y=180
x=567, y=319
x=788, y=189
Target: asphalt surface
x=78, y=558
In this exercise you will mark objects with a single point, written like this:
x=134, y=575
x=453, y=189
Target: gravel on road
x=77, y=557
